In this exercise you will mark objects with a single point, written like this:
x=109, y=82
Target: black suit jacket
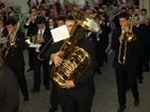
x=32, y=28
x=133, y=50
x=9, y=91
x=15, y=54
x=5, y=32
x=84, y=85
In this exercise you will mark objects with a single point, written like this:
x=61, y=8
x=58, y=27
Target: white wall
x=145, y=4
x=22, y=3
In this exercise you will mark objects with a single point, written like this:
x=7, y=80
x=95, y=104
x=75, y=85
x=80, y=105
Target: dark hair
x=11, y=8
x=97, y=16
x=41, y=20
x=34, y=7
x=124, y=15
x=123, y=8
x=11, y=21
x=61, y=18
x=143, y=10
x=131, y=8
x=136, y=16
x=70, y=18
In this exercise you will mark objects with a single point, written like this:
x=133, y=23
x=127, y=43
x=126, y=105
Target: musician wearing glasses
x=126, y=46
x=13, y=54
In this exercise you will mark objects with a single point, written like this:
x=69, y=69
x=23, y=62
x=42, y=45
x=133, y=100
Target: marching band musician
x=32, y=30
x=125, y=73
x=13, y=55
x=9, y=89
x=141, y=32
x=44, y=36
x=78, y=91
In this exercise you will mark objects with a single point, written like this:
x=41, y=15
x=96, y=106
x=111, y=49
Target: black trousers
x=70, y=103
x=126, y=77
x=19, y=72
x=37, y=73
x=53, y=97
x=31, y=57
x=140, y=69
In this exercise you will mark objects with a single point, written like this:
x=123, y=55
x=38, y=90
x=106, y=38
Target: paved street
x=105, y=99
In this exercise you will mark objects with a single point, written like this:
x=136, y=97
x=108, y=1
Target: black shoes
x=136, y=101
x=121, y=109
x=26, y=98
x=98, y=71
x=29, y=70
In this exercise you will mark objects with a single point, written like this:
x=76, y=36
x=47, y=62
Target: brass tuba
x=128, y=37
x=75, y=59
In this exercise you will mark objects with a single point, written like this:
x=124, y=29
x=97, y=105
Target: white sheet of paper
x=35, y=45
x=60, y=33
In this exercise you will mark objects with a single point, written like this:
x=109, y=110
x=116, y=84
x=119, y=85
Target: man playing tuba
x=74, y=95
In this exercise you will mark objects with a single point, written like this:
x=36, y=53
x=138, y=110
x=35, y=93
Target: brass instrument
x=128, y=36
x=11, y=42
x=75, y=59
x=108, y=50
x=33, y=39
x=30, y=18
x=40, y=56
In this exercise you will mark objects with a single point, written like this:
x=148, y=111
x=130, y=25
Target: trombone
x=40, y=56
x=109, y=50
x=128, y=36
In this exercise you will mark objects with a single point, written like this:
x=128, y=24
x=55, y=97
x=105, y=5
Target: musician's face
x=70, y=24
x=60, y=23
x=41, y=26
x=124, y=22
x=11, y=28
x=34, y=12
x=51, y=22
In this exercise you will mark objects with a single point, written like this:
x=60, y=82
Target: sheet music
x=60, y=33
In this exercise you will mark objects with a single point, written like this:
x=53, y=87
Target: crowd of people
x=123, y=26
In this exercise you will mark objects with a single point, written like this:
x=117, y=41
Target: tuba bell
x=75, y=59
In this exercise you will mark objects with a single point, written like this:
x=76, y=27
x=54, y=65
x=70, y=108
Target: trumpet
x=30, y=19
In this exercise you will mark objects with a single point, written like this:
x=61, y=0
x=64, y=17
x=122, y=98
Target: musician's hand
x=121, y=38
x=69, y=84
x=56, y=58
x=41, y=40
